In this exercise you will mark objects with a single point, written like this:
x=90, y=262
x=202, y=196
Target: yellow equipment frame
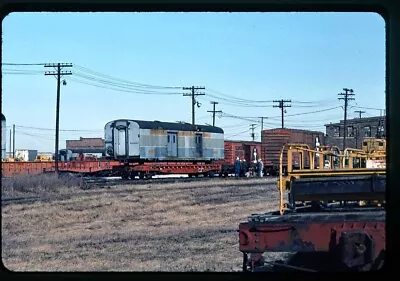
x=329, y=152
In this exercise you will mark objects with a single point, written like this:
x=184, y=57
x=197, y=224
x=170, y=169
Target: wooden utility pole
x=10, y=153
x=13, y=151
x=262, y=126
x=360, y=112
x=282, y=106
x=252, y=127
x=214, y=111
x=194, y=102
x=58, y=74
x=346, y=97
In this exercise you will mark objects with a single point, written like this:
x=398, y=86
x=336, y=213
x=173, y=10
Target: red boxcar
x=273, y=140
x=247, y=150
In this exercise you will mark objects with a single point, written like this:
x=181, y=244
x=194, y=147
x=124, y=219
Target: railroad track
x=89, y=182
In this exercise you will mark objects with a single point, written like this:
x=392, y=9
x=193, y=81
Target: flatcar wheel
x=245, y=261
x=133, y=175
x=125, y=175
x=141, y=175
x=319, y=261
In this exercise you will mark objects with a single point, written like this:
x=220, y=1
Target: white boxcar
x=26, y=154
x=155, y=140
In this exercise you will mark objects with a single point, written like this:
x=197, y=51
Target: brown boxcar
x=273, y=140
x=247, y=150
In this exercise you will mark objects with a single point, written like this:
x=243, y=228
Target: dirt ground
x=151, y=227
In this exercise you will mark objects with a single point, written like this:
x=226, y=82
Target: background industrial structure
x=93, y=146
x=356, y=130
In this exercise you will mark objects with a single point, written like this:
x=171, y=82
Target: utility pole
x=252, y=127
x=13, y=151
x=194, y=102
x=9, y=155
x=282, y=105
x=262, y=126
x=360, y=112
x=214, y=111
x=356, y=134
x=58, y=74
x=346, y=97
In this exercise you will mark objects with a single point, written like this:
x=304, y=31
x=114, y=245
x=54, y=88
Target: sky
x=135, y=65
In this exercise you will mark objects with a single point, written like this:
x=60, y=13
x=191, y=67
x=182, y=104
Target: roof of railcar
x=174, y=126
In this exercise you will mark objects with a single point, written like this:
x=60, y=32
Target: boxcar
x=138, y=140
x=247, y=150
x=273, y=140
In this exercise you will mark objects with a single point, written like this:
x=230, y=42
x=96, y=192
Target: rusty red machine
x=331, y=214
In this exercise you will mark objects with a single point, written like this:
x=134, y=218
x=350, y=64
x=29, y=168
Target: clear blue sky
x=304, y=57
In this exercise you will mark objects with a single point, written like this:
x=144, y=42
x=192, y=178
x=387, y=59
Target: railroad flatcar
x=144, y=141
x=273, y=140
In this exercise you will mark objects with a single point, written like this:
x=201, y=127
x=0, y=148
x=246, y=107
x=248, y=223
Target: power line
x=21, y=73
x=308, y=112
x=247, y=101
x=239, y=99
x=254, y=119
x=319, y=101
x=282, y=106
x=372, y=108
x=50, y=129
x=88, y=70
x=100, y=77
x=120, y=90
x=122, y=85
x=194, y=102
x=8, y=63
x=346, y=97
x=237, y=134
x=22, y=70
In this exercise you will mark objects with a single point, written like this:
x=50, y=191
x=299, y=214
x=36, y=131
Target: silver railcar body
x=165, y=141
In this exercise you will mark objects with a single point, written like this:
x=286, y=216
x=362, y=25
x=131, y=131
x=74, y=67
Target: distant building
x=357, y=129
x=86, y=145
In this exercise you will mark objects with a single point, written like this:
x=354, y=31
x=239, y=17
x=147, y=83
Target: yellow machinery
x=8, y=159
x=44, y=158
x=330, y=176
x=374, y=145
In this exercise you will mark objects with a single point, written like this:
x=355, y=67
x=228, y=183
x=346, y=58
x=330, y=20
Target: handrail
x=348, y=153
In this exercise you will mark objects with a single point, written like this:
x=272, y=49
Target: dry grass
x=42, y=184
x=163, y=227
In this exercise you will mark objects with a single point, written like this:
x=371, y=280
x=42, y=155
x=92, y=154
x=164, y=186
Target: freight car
x=245, y=150
x=146, y=141
x=273, y=140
